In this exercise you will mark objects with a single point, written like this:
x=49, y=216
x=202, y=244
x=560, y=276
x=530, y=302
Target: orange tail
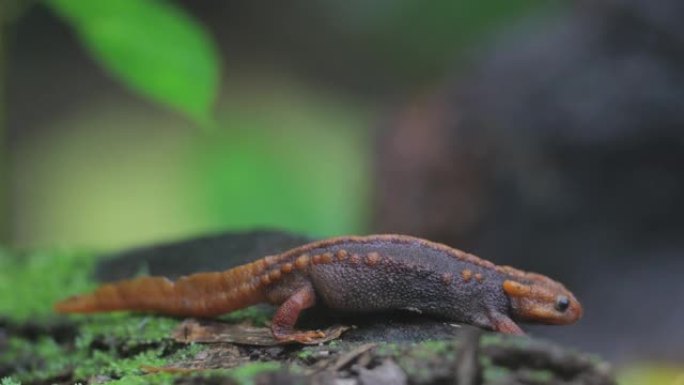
x=202, y=294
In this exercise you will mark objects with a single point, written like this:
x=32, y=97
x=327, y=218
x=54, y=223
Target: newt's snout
x=542, y=300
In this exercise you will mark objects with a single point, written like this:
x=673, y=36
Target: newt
x=353, y=274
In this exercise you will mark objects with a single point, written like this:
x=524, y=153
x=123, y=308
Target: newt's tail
x=201, y=295
x=145, y=293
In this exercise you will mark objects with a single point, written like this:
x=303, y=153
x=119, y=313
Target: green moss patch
x=34, y=282
x=43, y=347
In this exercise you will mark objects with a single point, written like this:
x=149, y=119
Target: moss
x=112, y=364
x=257, y=315
x=541, y=376
x=124, y=328
x=305, y=354
x=425, y=361
x=244, y=375
x=437, y=346
x=429, y=350
x=151, y=379
x=9, y=381
x=116, y=367
x=496, y=339
x=37, y=360
x=494, y=374
x=114, y=345
x=298, y=369
x=44, y=359
x=39, y=279
x=387, y=349
x=187, y=352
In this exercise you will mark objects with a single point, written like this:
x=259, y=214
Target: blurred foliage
x=294, y=159
x=651, y=374
x=153, y=47
x=285, y=156
x=298, y=162
x=420, y=41
x=289, y=155
x=39, y=279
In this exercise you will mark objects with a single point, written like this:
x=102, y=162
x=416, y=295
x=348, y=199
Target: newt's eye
x=562, y=303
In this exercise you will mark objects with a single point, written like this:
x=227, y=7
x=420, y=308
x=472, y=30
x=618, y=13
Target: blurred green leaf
x=287, y=158
x=153, y=47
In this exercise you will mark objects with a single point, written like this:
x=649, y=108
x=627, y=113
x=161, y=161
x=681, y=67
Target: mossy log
x=43, y=348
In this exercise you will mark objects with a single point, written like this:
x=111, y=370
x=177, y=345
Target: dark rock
x=387, y=373
x=561, y=152
x=206, y=253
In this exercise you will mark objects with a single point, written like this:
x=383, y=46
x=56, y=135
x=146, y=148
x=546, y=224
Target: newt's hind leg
x=287, y=314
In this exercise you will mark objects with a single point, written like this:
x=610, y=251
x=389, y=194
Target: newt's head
x=539, y=299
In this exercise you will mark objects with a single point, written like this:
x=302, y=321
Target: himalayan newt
x=355, y=274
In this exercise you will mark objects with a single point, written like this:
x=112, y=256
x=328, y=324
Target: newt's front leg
x=504, y=324
x=287, y=314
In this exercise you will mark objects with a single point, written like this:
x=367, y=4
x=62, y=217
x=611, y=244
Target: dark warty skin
x=352, y=274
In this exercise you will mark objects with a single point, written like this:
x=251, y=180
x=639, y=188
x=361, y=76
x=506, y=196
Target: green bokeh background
x=196, y=141
x=284, y=158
